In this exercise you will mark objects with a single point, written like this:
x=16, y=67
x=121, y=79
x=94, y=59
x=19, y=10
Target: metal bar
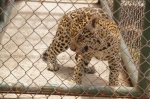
x=129, y=63
x=144, y=74
x=72, y=90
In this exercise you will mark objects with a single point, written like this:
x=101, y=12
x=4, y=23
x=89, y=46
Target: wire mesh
x=131, y=24
x=31, y=28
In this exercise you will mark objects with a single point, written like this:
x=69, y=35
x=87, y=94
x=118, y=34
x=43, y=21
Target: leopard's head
x=81, y=42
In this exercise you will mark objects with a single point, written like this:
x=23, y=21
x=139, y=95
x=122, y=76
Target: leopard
x=89, y=32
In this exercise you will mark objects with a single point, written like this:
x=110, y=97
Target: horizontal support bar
x=72, y=90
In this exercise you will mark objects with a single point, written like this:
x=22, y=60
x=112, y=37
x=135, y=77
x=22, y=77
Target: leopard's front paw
x=53, y=68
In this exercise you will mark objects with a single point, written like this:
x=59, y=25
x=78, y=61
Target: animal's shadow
x=66, y=71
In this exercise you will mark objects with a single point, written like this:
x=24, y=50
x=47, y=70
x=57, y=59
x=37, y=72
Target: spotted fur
x=89, y=32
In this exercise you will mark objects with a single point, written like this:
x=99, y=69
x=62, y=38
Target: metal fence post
x=144, y=70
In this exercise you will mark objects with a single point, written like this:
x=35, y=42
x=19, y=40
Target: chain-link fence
x=30, y=28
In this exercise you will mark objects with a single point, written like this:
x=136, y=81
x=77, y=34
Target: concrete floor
x=29, y=32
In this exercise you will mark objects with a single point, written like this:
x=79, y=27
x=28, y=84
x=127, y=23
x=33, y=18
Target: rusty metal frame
x=96, y=91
